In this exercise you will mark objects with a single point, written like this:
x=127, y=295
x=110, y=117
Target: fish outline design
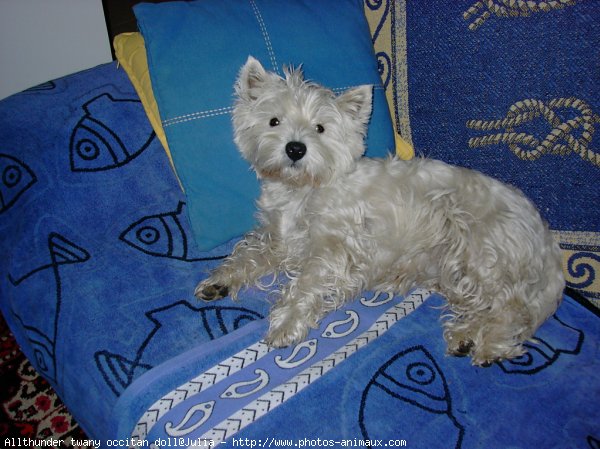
x=62, y=252
x=120, y=370
x=103, y=139
x=162, y=235
x=413, y=377
x=17, y=178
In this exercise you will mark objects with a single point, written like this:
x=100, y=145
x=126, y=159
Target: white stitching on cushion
x=263, y=29
x=222, y=111
x=197, y=115
x=342, y=89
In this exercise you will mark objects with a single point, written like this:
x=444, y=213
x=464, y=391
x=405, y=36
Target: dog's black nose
x=295, y=150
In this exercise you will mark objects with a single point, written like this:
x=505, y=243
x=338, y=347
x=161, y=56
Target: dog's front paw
x=211, y=292
x=462, y=349
x=282, y=337
x=286, y=329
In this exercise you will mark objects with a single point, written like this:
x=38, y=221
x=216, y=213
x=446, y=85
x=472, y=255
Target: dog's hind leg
x=488, y=328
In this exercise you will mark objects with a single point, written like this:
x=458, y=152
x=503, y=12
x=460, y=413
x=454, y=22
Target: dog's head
x=295, y=131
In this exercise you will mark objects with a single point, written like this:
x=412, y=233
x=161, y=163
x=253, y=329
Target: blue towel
x=376, y=371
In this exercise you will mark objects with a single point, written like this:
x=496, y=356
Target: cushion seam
x=222, y=111
x=265, y=33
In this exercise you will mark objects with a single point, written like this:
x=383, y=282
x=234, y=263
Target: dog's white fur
x=337, y=224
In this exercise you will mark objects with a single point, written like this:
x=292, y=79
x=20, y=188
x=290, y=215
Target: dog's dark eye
x=320, y=129
x=274, y=121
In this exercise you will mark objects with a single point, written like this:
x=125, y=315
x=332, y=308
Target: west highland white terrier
x=337, y=224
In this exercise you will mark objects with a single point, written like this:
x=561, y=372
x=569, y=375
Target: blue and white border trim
x=236, y=392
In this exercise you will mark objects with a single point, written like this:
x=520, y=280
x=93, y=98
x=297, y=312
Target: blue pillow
x=195, y=50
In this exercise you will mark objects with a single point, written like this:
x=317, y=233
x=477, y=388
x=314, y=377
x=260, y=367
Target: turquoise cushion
x=195, y=50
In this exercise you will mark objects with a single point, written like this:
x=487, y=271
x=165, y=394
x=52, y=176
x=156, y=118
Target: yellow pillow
x=131, y=54
x=404, y=150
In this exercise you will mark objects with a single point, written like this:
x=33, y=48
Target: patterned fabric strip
x=198, y=384
x=239, y=390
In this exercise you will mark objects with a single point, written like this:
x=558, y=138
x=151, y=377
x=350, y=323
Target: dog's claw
x=211, y=292
x=278, y=339
x=463, y=350
x=275, y=344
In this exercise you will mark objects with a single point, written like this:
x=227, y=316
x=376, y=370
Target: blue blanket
x=375, y=371
x=96, y=283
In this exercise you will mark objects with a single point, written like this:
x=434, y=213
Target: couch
x=121, y=188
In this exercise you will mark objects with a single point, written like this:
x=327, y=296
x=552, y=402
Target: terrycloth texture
x=96, y=283
x=513, y=91
x=376, y=371
x=195, y=50
x=98, y=265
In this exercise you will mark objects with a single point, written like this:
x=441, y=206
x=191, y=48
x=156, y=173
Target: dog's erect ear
x=294, y=76
x=357, y=102
x=251, y=79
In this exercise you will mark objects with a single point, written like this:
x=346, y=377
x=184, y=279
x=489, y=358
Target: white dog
x=337, y=224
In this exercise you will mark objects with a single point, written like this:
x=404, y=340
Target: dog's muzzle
x=295, y=150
